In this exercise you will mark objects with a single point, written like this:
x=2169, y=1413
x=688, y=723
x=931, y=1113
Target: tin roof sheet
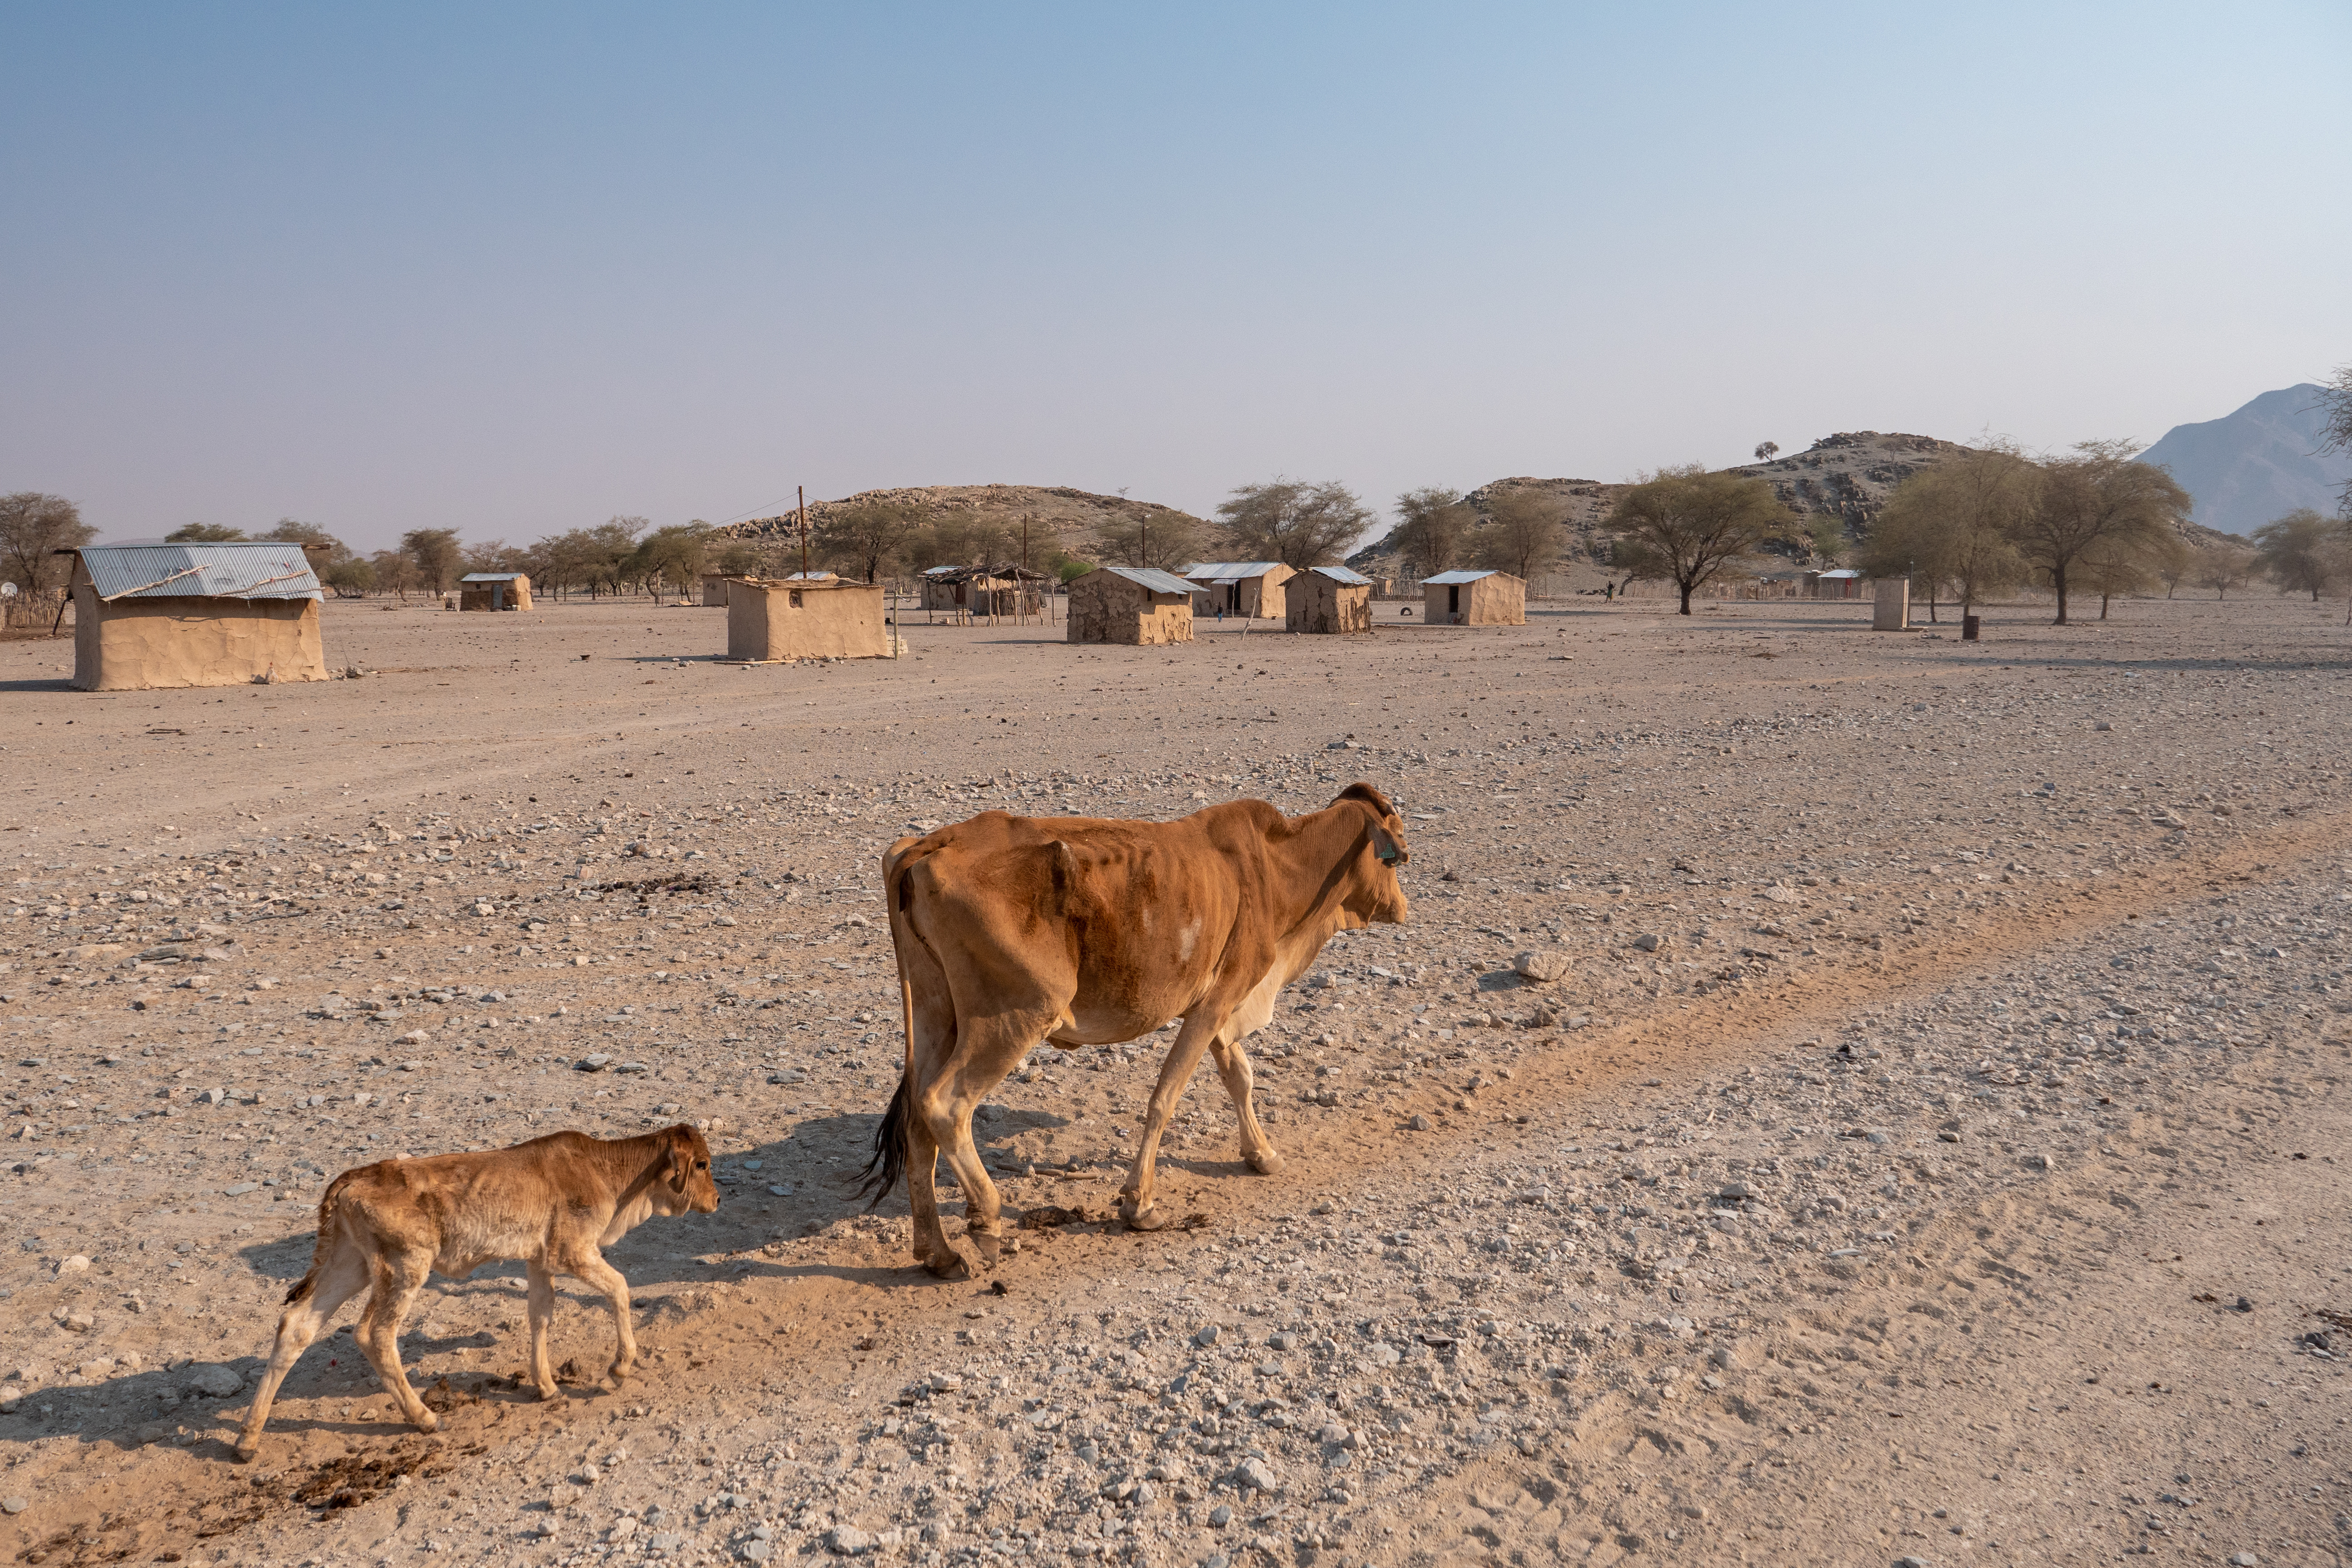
x=1444, y=578
x=1343, y=574
x=259, y=569
x=1151, y=577
x=493, y=576
x=1228, y=571
x=1842, y=572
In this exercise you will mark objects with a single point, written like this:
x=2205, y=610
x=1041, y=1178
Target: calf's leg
x=590, y=1265
x=1233, y=1066
x=542, y=1312
x=1135, y=1200
x=398, y=1276
x=321, y=1292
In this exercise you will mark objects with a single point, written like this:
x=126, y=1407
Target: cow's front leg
x=1233, y=1066
x=1134, y=1199
x=589, y=1264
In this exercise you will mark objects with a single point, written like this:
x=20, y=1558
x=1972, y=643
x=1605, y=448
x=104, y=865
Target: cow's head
x=1374, y=896
x=682, y=1183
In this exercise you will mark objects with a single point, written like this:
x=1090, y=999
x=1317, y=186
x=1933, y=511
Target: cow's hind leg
x=1233, y=1066
x=1135, y=1200
x=988, y=1049
x=321, y=1292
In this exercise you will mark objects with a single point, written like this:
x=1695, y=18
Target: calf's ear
x=681, y=1165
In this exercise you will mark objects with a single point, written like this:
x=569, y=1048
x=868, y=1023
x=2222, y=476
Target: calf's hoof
x=988, y=1244
x=246, y=1449
x=547, y=1392
x=1265, y=1162
x=619, y=1372
x=1147, y=1218
x=424, y=1420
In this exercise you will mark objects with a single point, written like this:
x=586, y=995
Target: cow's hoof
x=619, y=1372
x=549, y=1393
x=246, y=1451
x=1266, y=1162
x=426, y=1421
x=948, y=1264
x=1141, y=1219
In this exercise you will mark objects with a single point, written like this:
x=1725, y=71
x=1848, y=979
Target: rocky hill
x=1058, y=516
x=1845, y=478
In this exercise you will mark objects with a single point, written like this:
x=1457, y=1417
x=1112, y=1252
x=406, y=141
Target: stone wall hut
x=1474, y=599
x=1247, y=588
x=1328, y=599
x=494, y=591
x=149, y=615
x=1134, y=605
x=820, y=618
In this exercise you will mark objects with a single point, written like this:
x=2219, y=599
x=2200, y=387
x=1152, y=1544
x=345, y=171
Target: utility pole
x=801, y=491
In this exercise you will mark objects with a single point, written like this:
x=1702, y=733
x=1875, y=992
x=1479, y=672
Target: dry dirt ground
x=1935, y=1149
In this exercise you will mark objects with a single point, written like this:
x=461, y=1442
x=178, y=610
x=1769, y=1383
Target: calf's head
x=683, y=1184
x=1374, y=896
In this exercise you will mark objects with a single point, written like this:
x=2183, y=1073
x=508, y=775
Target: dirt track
x=1994, y=1021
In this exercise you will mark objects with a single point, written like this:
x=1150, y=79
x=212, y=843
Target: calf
x=554, y=1202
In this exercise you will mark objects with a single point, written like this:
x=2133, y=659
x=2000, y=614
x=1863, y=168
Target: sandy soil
x=1935, y=1147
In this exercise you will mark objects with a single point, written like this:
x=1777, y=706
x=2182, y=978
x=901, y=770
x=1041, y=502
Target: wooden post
x=801, y=490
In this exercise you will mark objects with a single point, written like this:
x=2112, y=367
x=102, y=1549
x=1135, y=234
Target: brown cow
x=554, y=1202
x=1079, y=931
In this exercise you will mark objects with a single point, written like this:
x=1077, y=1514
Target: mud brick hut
x=1248, y=588
x=818, y=617
x=494, y=591
x=714, y=591
x=1474, y=599
x=149, y=615
x=1328, y=599
x=1134, y=605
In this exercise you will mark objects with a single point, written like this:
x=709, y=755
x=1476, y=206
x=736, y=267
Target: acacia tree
x=436, y=554
x=2099, y=496
x=674, y=554
x=1952, y=524
x=1435, y=521
x=1156, y=537
x=2335, y=403
x=204, y=533
x=2111, y=567
x=2222, y=567
x=34, y=527
x=1767, y=450
x=2294, y=552
x=865, y=538
x=1689, y=526
x=1525, y=537
x=1289, y=520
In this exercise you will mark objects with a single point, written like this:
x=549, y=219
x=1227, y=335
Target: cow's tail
x=889, y=1165
x=323, y=1246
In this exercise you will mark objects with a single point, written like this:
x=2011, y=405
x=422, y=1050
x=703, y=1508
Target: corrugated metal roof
x=267, y=569
x=1343, y=574
x=1228, y=571
x=1151, y=577
x=1842, y=572
x=1444, y=578
x=807, y=577
x=493, y=576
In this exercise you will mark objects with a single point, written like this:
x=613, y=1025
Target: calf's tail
x=325, y=1242
x=888, y=1165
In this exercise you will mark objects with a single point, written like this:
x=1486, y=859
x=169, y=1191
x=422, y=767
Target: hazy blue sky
x=515, y=269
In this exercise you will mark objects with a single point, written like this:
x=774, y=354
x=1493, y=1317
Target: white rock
x=214, y=1380
x=1540, y=967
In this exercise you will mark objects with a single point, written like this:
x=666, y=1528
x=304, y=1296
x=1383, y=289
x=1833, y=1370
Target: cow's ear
x=1387, y=848
x=1368, y=796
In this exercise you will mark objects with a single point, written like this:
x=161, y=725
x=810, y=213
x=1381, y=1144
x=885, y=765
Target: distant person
x=1610, y=591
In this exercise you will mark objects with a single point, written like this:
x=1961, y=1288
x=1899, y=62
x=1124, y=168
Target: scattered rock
x=213, y=1379
x=1540, y=966
x=848, y=1541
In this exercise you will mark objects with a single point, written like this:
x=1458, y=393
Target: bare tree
x=1689, y=526
x=2097, y=497
x=33, y=528
x=1289, y=520
x=1435, y=521
x=1767, y=450
x=2335, y=403
x=1525, y=537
